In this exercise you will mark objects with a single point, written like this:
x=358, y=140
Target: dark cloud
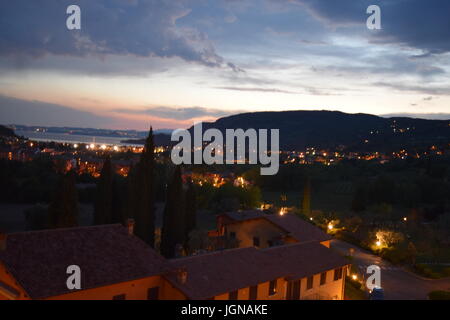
x=267, y=90
x=18, y=111
x=186, y=113
x=140, y=28
x=415, y=23
x=430, y=90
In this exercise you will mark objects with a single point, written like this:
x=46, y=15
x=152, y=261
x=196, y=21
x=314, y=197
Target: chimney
x=3, y=238
x=182, y=275
x=130, y=226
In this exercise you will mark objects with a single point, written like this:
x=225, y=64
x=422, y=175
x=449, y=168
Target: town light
x=354, y=277
x=116, y=148
x=378, y=243
x=75, y=145
x=92, y=146
x=103, y=147
x=311, y=218
x=405, y=219
x=330, y=226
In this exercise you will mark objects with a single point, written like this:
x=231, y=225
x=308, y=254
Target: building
x=115, y=264
x=254, y=228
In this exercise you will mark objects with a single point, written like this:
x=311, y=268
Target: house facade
x=116, y=265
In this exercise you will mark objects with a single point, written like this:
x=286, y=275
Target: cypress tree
x=103, y=201
x=119, y=191
x=63, y=210
x=173, y=229
x=306, y=201
x=144, y=208
x=191, y=210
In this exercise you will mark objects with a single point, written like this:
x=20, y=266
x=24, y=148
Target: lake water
x=72, y=138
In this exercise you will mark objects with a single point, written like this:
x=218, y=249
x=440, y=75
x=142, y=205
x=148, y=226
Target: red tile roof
x=106, y=254
x=301, y=230
x=217, y=273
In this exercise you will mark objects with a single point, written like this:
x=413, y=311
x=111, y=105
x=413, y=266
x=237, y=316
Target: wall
x=134, y=290
x=246, y=230
x=331, y=290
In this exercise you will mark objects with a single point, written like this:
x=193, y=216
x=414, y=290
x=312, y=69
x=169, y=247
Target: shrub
x=439, y=295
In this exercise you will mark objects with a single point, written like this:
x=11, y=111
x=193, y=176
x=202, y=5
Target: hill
x=334, y=129
x=6, y=132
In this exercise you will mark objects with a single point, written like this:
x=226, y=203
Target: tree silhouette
x=174, y=220
x=191, y=210
x=142, y=193
x=104, y=197
x=306, y=201
x=63, y=210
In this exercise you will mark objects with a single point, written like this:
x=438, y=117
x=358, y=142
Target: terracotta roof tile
x=106, y=254
x=217, y=273
x=301, y=230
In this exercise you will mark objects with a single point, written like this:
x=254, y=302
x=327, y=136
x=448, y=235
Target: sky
x=136, y=63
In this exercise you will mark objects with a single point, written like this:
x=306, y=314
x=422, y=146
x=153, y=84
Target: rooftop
x=106, y=254
x=301, y=230
x=220, y=272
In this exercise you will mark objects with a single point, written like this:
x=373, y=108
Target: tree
x=174, y=219
x=103, y=201
x=63, y=210
x=412, y=251
x=359, y=201
x=142, y=193
x=36, y=217
x=306, y=201
x=191, y=210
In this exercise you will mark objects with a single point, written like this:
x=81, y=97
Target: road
x=398, y=284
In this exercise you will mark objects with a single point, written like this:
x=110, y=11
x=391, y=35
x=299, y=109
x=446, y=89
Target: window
x=337, y=274
x=309, y=283
x=253, y=293
x=255, y=241
x=272, y=287
x=153, y=293
x=119, y=297
x=323, y=278
x=233, y=295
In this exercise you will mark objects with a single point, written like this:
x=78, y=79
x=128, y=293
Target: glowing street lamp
x=330, y=226
x=405, y=219
x=354, y=277
x=378, y=243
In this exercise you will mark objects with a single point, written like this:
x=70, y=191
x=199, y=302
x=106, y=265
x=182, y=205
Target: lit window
x=153, y=293
x=337, y=274
x=323, y=278
x=272, y=287
x=309, y=283
x=233, y=295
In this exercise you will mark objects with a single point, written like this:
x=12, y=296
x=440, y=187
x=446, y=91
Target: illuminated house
x=253, y=228
x=115, y=264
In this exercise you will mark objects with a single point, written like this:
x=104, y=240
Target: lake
x=72, y=138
